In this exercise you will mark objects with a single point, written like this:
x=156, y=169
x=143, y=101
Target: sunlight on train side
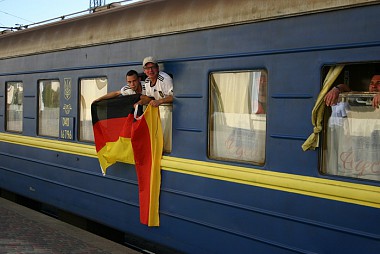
x=48, y=108
x=238, y=116
x=90, y=89
x=14, y=111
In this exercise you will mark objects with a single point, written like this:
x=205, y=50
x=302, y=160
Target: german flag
x=112, y=121
x=119, y=137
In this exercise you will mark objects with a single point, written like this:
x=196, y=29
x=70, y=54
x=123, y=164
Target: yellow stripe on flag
x=120, y=150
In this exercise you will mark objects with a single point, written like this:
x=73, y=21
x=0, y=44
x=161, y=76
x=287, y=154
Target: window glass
x=352, y=127
x=90, y=89
x=14, y=106
x=238, y=116
x=48, y=107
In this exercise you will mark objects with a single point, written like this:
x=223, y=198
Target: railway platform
x=25, y=231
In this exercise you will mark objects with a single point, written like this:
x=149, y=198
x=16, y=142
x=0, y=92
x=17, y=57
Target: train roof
x=156, y=18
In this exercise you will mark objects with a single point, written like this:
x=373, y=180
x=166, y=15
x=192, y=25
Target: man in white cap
x=158, y=84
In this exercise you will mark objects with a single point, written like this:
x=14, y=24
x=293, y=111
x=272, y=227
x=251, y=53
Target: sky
x=14, y=13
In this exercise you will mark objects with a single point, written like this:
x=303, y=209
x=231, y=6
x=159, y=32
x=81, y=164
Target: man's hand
x=155, y=103
x=332, y=97
x=376, y=100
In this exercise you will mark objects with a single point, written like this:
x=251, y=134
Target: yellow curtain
x=319, y=108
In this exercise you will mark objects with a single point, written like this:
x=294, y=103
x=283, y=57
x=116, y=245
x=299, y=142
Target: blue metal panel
x=201, y=215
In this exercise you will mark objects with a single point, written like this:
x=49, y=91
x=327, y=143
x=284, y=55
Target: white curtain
x=237, y=134
x=353, y=143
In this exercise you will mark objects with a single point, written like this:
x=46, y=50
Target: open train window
x=237, y=116
x=14, y=101
x=351, y=145
x=166, y=121
x=90, y=89
x=48, y=107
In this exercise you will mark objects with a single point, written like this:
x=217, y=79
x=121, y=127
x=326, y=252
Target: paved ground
x=25, y=231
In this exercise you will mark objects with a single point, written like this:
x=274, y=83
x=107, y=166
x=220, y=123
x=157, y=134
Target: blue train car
x=249, y=79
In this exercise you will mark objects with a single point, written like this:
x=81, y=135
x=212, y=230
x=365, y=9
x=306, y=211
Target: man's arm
x=156, y=103
x=332, y=96
x=144, y=100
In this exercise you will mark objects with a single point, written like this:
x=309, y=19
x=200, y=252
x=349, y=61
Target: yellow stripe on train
x=310, y=186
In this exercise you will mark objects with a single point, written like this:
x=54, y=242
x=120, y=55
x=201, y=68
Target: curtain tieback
x=317, y=129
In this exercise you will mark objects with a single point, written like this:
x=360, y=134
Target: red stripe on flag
x=109, y=130
x=142, y=152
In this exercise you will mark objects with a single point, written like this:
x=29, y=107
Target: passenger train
x=238, y=172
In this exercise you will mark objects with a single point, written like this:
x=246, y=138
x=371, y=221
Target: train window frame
x=18, y=106
x=86, y=100
x=230, y=134
x=351, y=128
x=49, y=126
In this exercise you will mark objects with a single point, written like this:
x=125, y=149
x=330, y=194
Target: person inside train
x=261, y=105
x=332, y=96
x=133, y=86
x=158, y=85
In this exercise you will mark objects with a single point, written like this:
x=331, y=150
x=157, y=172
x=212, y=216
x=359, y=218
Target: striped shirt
x=162, y=88
x=127, y=90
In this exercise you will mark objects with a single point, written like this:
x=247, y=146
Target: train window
x=48, y=108
x=90, y=89
x=238, y=116
x=351, y=145
x=166, y=121
x=14, y=111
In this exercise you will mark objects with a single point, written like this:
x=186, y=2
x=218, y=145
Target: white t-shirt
x=127, y=90
x=162, y=88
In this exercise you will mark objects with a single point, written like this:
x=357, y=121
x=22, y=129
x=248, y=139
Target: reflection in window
x=238, y=116
x=14, y=106
x=90, y=89
x=48, y=108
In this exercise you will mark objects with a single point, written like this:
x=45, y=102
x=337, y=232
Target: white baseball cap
x=149, y=59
